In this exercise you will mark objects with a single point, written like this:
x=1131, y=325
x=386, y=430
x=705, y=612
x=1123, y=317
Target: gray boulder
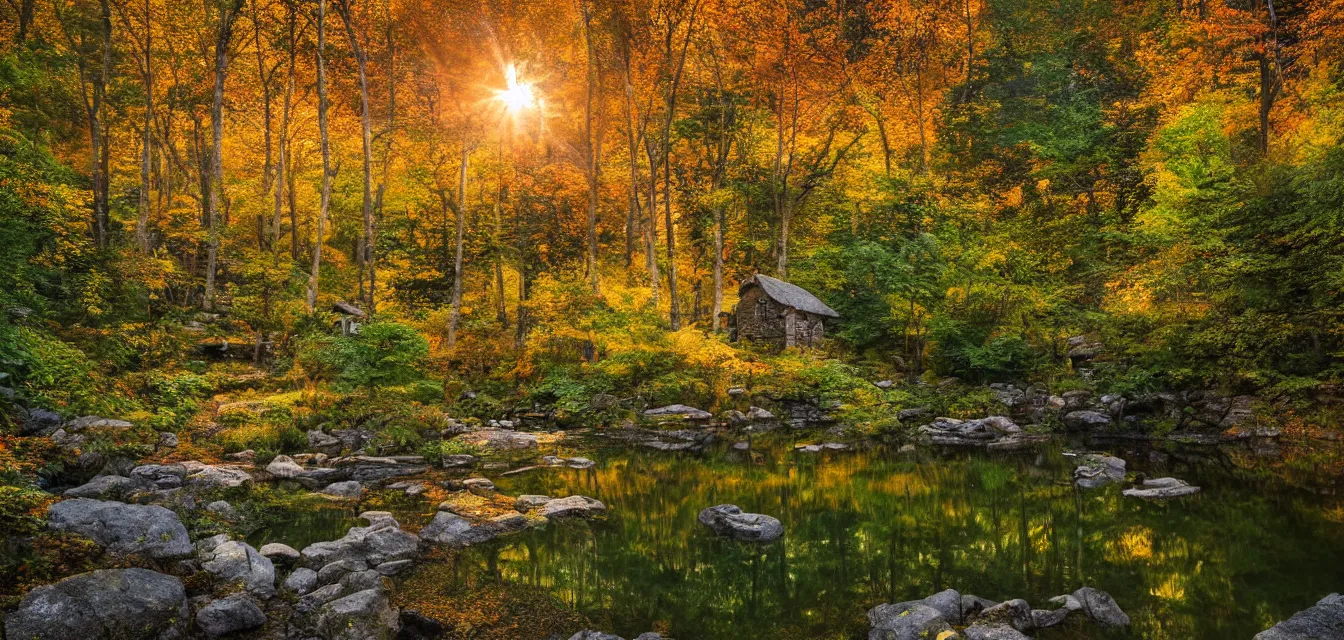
x=1015, y=613
x=1086, y=420
x=112, y=604
x=455, y=531
x=280, y=553
x=40, y=421
x=1162, y=489
x=1323, y=621
x=324, y=443
x=589, y=634
x=757, y=414
x=284, y=467
x=223, y=509
x=219, y=477
x=458, y=460
x=162, y=476
x=381, y=541
x=907, y=621
x=301, y=581
x=729, y=520
x=528, y=502
x=572, y=507
x=1097, y=471
x=346, y=489
x=235, y=561
x=124, y=528
x=230, y=615
x=499, y=439
x=108, y=487
x=994, y=632
x=679, y=411
x=364, y=615
x=95, y=422
x=1097, y=604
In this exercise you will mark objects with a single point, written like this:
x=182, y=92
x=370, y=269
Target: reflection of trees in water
x=868, y=527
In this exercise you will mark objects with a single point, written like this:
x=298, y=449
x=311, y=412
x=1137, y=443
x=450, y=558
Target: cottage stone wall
x=761, y=319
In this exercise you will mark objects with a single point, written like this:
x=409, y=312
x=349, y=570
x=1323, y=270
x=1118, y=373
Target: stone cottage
x=773, y=311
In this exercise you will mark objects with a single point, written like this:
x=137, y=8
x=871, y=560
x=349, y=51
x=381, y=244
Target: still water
x=1264, y=539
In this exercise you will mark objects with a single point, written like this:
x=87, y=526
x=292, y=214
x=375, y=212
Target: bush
x=381, y=354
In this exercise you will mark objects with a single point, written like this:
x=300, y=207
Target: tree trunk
x=282, y=162
x=264, y=79
x=213, y=198
x=366, y=232
x=457, y=251
x=325, y=201
x=592, y=147
x=718, y=269
x=142, y=222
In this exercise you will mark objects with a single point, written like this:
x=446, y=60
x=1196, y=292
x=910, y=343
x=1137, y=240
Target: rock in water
x=573, y=506
x=1087, y=420
x=1097, y=471
x=229, y=615
x=346, y=489
x=112, y=604
x=729, y=520
x=124, y=528
x=679, y=411
x=1325, y=620
x=906, y=621
x=279, y=552
x=1101, y=607
x=363, y=615
x=1162, y=488
x=238, y=561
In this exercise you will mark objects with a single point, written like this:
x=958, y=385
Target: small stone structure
x=772, y=311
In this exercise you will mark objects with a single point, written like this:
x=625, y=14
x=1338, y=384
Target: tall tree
x=228, y=15
x=314, y=277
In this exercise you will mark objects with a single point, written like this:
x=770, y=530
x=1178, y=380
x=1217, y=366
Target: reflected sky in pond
x=866, y=527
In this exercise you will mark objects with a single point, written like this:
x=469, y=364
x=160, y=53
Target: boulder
x=323, y=443
x=235, y=561
x=301, y=581
x=1097, y=470
x=1045, y=618
x=109, y=487
x=578, y=462
x=381, y=541
x=347, y=489
x=913, y=413
x=678, y=411
x=499, y=439
x=334, y=572
x=230, y=615
x=167, y=440
x=734, y=417
x=589, y=634
x=455, y=531
x=479, y=486
x=1097, y=604
x=458, y=460
x=1014, y=613
x=1325, y=620
x=222, y=509
x=1086, y=420
x=572, y=506
x=757, y=414
x=162, y=476
x=279, y=553
x=219, y=477
x=1162, y=489
x=363, y=615
x=527, y=502
x=284, y=467
x=40, y=421
x=112, y=604
x=729, y=520
x=124, y=528
x=907, y=621
x=993, y=632
x=884, y=384
x=369, y=469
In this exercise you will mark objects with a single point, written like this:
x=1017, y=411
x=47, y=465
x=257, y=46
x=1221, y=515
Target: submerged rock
x=1161, y=489
x=1325, y=620
x=229, y=615
x=729, y=520
x=381, y=541
x=124, y=528
x=455, y=531
x=1097, y=471
x=112, y=604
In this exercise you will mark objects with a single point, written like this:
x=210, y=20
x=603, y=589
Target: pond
x=1261, y=541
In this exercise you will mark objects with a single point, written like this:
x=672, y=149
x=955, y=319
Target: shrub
x=381, y=354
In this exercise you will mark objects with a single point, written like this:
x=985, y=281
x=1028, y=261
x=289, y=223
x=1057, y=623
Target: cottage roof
x=789, y=295
x=348, y=309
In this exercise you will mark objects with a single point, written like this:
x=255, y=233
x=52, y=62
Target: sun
x=518, y=96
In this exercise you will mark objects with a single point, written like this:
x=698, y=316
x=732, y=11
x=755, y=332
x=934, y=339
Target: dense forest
x=269, y=264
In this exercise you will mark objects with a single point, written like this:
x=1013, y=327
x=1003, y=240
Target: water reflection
x=873, y=526
x=303, y=524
